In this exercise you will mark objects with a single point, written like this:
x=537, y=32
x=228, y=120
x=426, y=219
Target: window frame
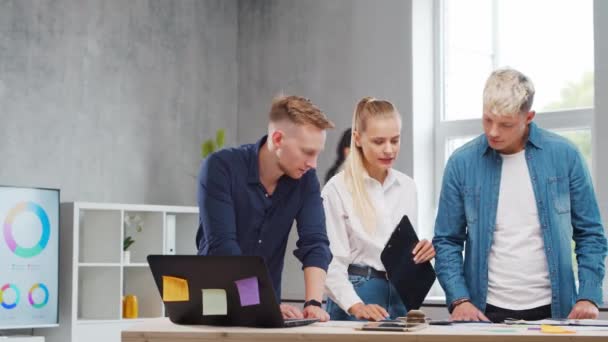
x=444, y=130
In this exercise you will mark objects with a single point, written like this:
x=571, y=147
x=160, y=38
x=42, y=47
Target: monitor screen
x=29, y=257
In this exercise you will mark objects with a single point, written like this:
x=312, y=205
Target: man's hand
x=370, y=312
x=584, y=309
x=423, y=251
x=467, y=312
x=312, y=311
x=290, y=311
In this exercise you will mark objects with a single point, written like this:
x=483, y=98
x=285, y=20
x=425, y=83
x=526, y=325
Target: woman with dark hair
x=341, y=154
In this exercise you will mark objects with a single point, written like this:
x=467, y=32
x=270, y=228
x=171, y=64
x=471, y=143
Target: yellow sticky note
x=175, y=289
x=214, y=302
x=552, y=329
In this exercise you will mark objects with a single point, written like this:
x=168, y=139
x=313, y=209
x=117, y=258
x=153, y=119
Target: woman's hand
x=371, y=312
x=423, y=251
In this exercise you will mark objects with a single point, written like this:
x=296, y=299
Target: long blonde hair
x=354, y=168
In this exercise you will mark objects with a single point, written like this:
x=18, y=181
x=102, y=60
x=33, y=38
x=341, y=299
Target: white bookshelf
x=94, y=276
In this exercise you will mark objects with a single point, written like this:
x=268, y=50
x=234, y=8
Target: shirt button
x=266, y=195
x=259, y=241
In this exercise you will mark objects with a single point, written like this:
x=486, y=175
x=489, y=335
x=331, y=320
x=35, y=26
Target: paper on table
x=580, y=322
x=175, y=289
x=214, y=302
x=486, y=327
x=590, y=322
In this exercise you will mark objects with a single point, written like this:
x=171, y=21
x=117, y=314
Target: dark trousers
x=498, y=315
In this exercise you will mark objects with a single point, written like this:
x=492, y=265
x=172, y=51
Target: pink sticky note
x=248, y=291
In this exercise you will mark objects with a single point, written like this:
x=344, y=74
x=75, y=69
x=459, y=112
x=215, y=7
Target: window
x=554, y=48
x=551, y=41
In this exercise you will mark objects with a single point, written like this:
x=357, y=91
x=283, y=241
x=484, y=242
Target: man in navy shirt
x=249, y=197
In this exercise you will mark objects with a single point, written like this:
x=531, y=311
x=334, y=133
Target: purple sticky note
x=248, y=291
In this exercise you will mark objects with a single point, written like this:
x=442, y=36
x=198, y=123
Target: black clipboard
x=412, y=281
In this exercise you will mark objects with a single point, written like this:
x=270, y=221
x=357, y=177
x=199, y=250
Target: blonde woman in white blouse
x=363, y=205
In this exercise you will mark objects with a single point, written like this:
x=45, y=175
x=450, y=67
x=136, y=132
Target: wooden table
x=162, y=330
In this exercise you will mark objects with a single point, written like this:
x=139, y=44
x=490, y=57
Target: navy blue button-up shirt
x=238, y=217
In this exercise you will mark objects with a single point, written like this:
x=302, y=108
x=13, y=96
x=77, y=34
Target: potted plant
x=131, y=222
x=211, y=145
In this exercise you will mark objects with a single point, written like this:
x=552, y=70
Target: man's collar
x=535, y=138
x=253, y=172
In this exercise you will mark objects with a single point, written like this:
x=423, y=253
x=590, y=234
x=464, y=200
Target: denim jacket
x=567, y=210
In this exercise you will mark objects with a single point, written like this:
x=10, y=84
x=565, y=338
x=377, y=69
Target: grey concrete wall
x=109, y=100
x=333, y=52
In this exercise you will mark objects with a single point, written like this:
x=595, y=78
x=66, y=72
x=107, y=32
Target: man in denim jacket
x=518, y=195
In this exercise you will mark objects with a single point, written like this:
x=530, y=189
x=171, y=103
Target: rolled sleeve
x=313, y=244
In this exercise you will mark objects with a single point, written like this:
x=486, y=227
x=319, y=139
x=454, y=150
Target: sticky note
x=175, y=289
x=214, y=302
x=552, y=329
x=249, y=291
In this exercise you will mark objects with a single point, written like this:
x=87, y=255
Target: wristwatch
x=313, y=303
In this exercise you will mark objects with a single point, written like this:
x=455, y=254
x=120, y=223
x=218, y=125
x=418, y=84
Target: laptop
x=221, y=290
x=412, y=281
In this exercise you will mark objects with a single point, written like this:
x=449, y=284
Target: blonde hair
x=354, y=168
x=298, y=110
x=507, y=92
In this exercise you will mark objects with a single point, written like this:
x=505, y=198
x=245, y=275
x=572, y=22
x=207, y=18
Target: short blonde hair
x=507, y=92
x=298, y=110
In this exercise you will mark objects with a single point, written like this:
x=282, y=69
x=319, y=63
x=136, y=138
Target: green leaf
x=220, y=136
x=207, y=148
x=211, y=145
x=127, y=242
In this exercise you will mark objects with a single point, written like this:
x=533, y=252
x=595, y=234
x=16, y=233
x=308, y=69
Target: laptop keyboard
x=298, y=322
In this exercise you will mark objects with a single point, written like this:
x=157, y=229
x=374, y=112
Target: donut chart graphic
x=46, y=295
x=20, y=208
x=5, y=305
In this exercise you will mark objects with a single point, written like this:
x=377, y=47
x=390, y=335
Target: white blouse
x=350, y=243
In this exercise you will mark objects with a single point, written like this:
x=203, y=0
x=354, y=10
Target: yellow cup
x=129, y=306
